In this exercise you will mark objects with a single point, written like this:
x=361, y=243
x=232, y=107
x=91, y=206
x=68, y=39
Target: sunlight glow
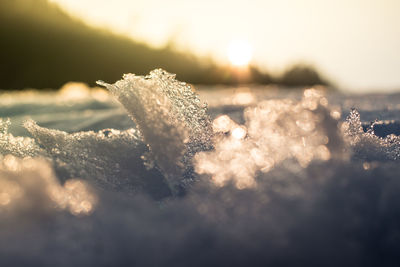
x=240, y=52
x=239, y=132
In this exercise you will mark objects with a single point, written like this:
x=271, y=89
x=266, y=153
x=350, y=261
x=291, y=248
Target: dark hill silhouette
x=43, y=47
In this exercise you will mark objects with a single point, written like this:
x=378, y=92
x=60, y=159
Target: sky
x=354, y=43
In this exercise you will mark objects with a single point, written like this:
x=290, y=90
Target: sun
x=239, y=53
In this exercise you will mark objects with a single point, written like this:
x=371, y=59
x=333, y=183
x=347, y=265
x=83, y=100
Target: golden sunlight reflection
x=29, y=184
x=223, y=124
x=275, y=130
x=239, y=132
x=9, y=190
x=81, y=200
x=243, y=96
x=73, y=91
x=75, y=196
x=240, y=53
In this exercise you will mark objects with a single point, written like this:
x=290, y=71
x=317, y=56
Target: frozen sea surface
x=149, y=175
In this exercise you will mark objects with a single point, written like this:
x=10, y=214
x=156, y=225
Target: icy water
x=151, y=175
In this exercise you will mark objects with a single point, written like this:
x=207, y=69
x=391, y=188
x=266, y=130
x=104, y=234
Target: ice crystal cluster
x=17, y=146
x=109, y=158
x=170, y=116
x=366, y=144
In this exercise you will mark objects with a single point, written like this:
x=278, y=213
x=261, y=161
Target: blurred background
x=348, y=44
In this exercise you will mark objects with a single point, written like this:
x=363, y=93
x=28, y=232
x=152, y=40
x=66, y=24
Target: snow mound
x=272, y=181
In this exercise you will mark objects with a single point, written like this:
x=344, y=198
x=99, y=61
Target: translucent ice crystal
x=109, y=158
x=17, y=146
x=170, y=116
x=367, y=145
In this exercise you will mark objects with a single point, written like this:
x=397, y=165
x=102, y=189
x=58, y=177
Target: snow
x=260, y=177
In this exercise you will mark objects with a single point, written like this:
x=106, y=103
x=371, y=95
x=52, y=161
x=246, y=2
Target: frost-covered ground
x=148, y=176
